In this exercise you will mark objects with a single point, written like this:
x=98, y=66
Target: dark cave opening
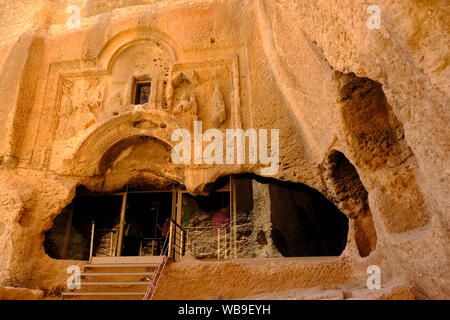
x=70, y=235
x=304, y=222
x=351, y=192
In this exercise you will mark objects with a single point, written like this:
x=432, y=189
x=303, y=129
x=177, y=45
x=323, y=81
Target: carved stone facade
x=362, y=115
x=88, y=95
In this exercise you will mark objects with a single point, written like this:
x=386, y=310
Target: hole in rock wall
x=276, y=219
x=374, y=132
x=376, y=139
x=70, y=235
x=144, y=214
x=351, y=194
x=304, y=222
x=243, y=216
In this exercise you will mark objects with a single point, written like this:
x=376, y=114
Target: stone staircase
x=115, y=278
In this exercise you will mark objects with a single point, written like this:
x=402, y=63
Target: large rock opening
x=353, y=199
x=304, y=222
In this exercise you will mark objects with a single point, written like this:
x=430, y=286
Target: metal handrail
x=176, y=224
x=151, y=289
x=176, y=240
x=223, y=249
x=95, y=233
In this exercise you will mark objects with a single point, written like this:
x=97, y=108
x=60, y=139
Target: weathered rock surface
x=12, y=293
x=363, y=117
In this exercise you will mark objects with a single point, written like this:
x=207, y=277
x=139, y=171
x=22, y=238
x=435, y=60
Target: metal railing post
x=92, y=242
x=169, y=253
x=218, y=243
x=182, y=243
x=111, y=244
x=225, y=246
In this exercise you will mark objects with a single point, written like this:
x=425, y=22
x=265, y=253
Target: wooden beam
x=122, y=221
x=233, y=192
x=179, y=207
x=225, y=250
x=218, y=243
x=174, y=205
x=169, y=253
x=91, y=249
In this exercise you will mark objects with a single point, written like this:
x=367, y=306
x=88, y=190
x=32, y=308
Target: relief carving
x=213, y=85
x=218, y=108
x=116, y=100
x=185, y=81
x=188, y=103
x=81, y=102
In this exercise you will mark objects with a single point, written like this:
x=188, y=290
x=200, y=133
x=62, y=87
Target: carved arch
x=127, y=38
x=149, y=123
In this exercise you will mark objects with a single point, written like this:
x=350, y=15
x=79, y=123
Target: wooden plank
x=233, y=191
x=169, y=253
x=179, y=207
x=174, y=205
x=111, y=244
x=126, y=260
x=116, y=283
x=225, y=240
x=103, y=293
x=218, y=243
x=110, y=274
x=92, y=242
x=122, y=221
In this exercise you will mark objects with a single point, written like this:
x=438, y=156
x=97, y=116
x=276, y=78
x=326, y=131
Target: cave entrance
x=283, y=219
x=241, y=216
x=135, y=222
x=255, y=217
x=304, y=222
x=129, y=222
x=144, y=219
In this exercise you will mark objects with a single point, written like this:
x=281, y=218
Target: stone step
x=104, y=274
x=112, y=286
x=115, y=276
x=103, y=295
x=122, y=268
x=117, y=283
x=121, y=265
x=127, y=260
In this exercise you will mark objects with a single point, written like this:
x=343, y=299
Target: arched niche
x=129, y=37
x=139, y=160
x=140, y=61
x=146, y=123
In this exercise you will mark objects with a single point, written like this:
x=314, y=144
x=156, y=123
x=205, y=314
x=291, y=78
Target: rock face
x=362, y=113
